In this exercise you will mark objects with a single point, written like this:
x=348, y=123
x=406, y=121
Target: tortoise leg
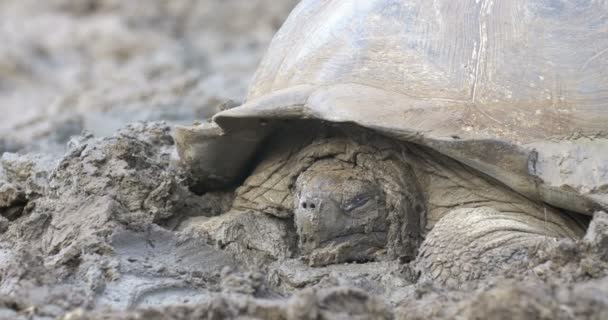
x=471, y=243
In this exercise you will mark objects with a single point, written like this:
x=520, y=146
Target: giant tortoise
x=456, y=135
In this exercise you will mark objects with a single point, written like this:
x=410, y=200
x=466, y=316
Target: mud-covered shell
x=516, y=89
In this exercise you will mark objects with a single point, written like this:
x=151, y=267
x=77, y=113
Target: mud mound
x=93, y=235
x=67, y=227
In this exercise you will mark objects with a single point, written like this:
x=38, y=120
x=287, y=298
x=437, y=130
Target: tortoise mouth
x=376, y=236
x=359, y=247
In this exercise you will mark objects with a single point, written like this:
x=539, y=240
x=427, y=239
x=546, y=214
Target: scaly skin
x=356, y=196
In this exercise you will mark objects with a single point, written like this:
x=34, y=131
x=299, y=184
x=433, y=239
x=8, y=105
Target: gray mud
x=90, y=222
x=93, y=236
x=96, y=65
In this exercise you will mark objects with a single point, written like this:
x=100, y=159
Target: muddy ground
x=96, y=65
x=91, y=197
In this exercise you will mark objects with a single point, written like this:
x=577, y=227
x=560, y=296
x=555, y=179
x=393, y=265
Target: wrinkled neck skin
x=335, y=194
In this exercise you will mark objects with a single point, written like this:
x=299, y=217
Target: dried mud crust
x=86, y=229
x=94, y=238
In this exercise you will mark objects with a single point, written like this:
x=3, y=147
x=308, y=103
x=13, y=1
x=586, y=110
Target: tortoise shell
x=515, y=89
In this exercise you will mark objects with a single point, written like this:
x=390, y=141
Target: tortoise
x=455, y=135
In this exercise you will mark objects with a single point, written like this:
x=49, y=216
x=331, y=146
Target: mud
x=93, y=236
x=96, y=65
x=92, y=207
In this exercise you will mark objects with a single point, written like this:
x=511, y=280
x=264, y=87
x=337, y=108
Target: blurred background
x=67, y=66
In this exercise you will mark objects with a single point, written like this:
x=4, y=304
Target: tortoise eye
x=357, y=202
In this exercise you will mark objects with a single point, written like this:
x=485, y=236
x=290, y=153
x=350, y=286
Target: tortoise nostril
x=308, y=205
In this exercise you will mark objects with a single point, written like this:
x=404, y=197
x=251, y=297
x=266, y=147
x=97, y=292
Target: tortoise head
x=356, y=206
x=340, y=213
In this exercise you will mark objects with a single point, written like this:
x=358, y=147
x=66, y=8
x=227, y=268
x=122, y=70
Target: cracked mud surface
x=91, y=224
